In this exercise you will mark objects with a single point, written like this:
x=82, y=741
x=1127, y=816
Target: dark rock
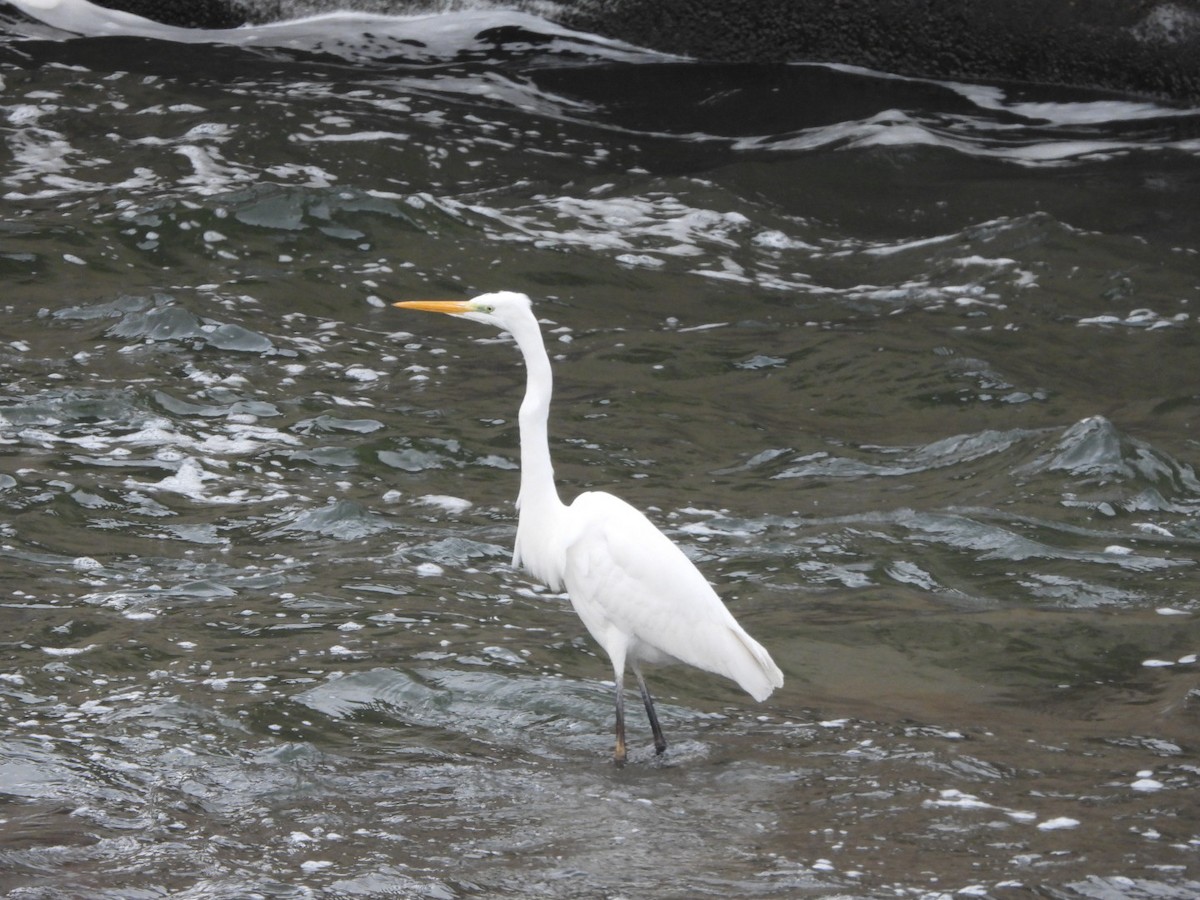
x=184, y=13
x=1147, y=47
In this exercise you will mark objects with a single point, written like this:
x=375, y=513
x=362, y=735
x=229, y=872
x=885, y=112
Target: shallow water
x=908, y=369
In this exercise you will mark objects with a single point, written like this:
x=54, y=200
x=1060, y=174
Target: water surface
x=908, y=368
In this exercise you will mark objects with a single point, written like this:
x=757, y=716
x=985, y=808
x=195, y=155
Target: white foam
x=643, y=260
x=1152, y=528
x=1058, y=823
x=953, y=797
x=68, y=651
x=240, y=439
x=188, y=480
x=641, y=230
x=919, y=244
x=446, y=502
x=1138, y=318
x=352, y=137
x=363, y=374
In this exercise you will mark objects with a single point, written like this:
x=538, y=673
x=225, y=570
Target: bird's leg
x=660, y=742
x=619, y=752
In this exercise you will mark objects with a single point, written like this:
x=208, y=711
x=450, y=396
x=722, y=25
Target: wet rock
x=186, y=13
x=1149, y=48
x=1146, y=47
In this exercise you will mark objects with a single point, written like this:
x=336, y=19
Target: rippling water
x=909, y=368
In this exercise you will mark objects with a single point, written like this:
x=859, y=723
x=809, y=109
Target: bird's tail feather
x=755, y=672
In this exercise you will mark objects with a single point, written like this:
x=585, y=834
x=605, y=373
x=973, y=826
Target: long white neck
x=538, y=493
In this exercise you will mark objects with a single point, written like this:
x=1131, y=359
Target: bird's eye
x=487, y=309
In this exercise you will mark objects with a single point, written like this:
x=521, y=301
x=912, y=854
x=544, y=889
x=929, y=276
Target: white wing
x=640, y=596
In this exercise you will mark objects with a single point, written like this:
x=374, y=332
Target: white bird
x=637, y=593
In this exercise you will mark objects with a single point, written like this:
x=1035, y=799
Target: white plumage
x=637, y=593
x=631, y=584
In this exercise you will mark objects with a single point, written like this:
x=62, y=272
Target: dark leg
x=619, y=752
x=660, y=742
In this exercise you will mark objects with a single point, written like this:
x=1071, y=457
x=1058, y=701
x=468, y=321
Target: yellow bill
x=452, y=307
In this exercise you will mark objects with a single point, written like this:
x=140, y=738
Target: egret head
x=501, y=309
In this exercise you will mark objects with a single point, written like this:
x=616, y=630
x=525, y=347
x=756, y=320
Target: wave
x=423, y=37
x=515, y=60
x=1028, y=144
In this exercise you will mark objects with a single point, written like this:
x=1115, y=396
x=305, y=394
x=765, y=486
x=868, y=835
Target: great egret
x=640, y=597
